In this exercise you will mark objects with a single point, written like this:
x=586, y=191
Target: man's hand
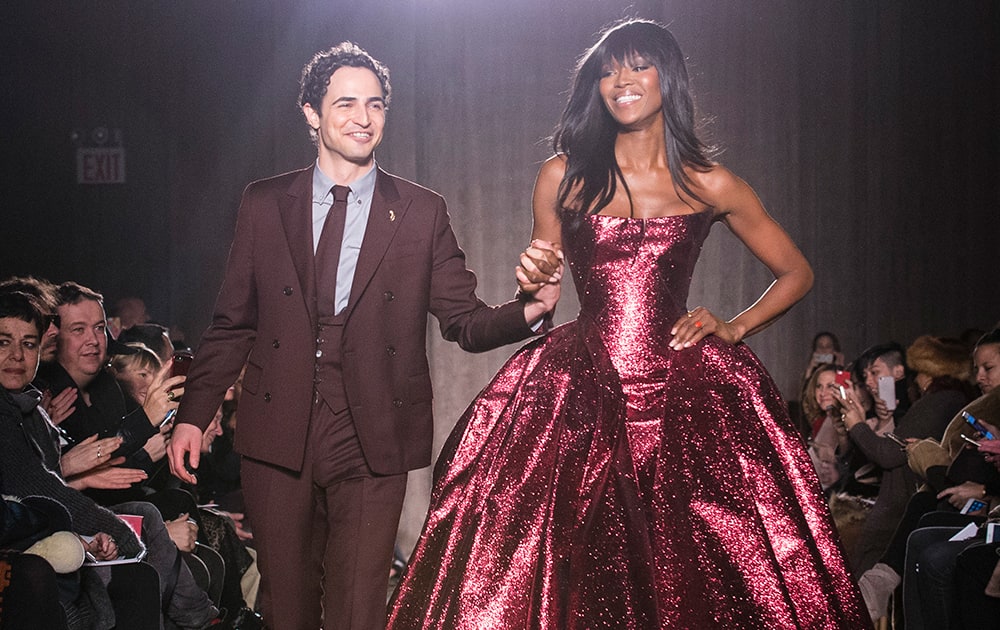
x=183, y=531
x=884, y=413
x=186, y=441
x=60, y=406
x=958, y=495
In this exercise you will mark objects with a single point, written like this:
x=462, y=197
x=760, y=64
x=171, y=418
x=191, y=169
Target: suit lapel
x=384, y=219
x=295, y=208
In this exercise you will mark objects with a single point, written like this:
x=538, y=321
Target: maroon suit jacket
x=410, y=265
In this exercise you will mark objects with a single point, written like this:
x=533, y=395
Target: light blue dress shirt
x=359, y=204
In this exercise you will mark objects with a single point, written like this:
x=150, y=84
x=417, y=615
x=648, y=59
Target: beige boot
x=877, y=585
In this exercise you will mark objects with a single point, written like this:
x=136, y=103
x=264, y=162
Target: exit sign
x=100, y=165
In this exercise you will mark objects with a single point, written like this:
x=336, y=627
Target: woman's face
x=986, y=361
x=826, y=385
x=19, y=347
x=136, y=380
x=631, y=91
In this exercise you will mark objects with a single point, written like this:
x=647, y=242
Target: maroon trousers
x=325, y=536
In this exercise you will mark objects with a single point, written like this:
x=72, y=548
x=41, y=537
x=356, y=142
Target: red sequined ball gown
x=604, y=480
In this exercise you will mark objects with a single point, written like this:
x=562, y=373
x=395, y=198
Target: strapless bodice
x=632, y=277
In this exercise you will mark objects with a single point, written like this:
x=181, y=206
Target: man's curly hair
x=316, y=74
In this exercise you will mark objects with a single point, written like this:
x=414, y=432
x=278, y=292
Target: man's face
x=879, y=368
x=19, y=351
x=350, y=120
x=83, y=343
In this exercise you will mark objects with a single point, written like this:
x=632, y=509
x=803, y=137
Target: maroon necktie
x=328, y=252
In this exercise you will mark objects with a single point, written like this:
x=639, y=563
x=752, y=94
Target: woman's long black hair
x=586, y=131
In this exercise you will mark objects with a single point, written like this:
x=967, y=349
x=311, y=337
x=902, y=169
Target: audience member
x=87, y=400
x=828, y=442
x=825, y=350
x=44, y=292
x=30, y=466
x=153, y=336
x=942, y=366
x=954, y=474
x=129, y=311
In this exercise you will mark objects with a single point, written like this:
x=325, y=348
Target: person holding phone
x=941, y=366
x=825, y=351
x=829, y=438
x=30, y=466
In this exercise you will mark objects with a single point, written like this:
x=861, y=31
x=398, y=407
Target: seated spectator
x=87, y=400
x=888, y=359
x=820, y=404
x=153, y=336
x=127, y=312
x=30, y=460
x=942, y=366
x=825, y=351
x=955, y=473
x=44, y=292
x=136, y=372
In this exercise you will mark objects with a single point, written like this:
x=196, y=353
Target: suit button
x=389, y=297
x=275, y=344
x=390, y=351
x=287, y=291
x=319, y=353
x=397, y=403
x=267, y=397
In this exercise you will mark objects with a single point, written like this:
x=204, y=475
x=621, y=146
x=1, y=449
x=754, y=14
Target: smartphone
x=969, y=440
x=973, y=505
x=887, y=391
x=823, y=357
x=167, y=418
x=895, y=438
x=977, y=425
x=181, y=363
x=843, y=380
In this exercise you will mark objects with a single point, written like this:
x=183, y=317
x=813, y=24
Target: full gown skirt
x=604, y=480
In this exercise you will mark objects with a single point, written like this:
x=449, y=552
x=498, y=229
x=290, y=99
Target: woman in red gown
x=634, y=468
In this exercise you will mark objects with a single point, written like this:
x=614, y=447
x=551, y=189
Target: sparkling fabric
x=603, y=480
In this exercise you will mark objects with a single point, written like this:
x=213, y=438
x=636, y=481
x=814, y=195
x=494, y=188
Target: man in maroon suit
x=331, y=275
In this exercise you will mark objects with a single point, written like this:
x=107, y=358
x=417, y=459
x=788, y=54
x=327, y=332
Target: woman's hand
x=541, y=264
x=156, y=447
x=698, y=324
x=108, y=477
x=102, y=547
x=163, y=395
x=852, y=412
x=88, y=454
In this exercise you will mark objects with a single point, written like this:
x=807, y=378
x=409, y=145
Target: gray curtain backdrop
x=868, y=128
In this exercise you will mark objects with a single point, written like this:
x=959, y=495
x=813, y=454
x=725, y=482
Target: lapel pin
x=392, y=215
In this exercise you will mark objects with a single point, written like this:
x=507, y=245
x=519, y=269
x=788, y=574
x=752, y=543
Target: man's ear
x=898, y=372
x=312, y=116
